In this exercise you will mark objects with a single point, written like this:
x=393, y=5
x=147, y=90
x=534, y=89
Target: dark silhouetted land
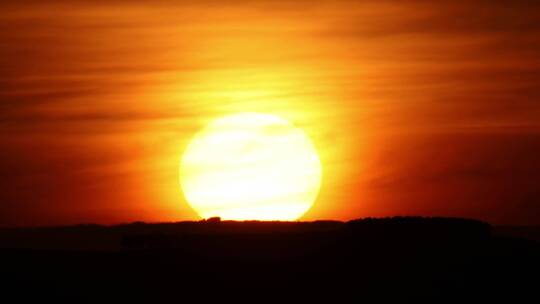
x=399, y=260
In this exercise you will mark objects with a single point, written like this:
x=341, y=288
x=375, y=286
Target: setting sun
x=251, y=166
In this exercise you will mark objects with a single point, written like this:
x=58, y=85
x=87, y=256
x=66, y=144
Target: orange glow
x=405, y=106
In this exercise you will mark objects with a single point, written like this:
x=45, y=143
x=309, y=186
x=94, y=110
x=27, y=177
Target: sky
x=415, y=107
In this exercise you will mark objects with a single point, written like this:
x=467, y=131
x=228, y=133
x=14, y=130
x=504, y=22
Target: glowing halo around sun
x=251, y=166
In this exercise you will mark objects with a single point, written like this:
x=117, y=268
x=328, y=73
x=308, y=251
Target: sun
x=251, y=166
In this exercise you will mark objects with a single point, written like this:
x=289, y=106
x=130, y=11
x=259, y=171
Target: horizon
x=215, y=220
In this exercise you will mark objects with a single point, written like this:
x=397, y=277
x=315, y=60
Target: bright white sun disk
x=251, y=166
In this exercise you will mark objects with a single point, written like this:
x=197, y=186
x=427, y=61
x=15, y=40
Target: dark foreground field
x=397, y=260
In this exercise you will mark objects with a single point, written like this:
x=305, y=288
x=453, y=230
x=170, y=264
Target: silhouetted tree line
x=308, y=234
x=371, y=260
x=413, y=227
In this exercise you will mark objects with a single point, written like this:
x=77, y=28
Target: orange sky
x=416, y=108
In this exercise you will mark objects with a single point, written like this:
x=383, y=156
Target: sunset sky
x=415, y=107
